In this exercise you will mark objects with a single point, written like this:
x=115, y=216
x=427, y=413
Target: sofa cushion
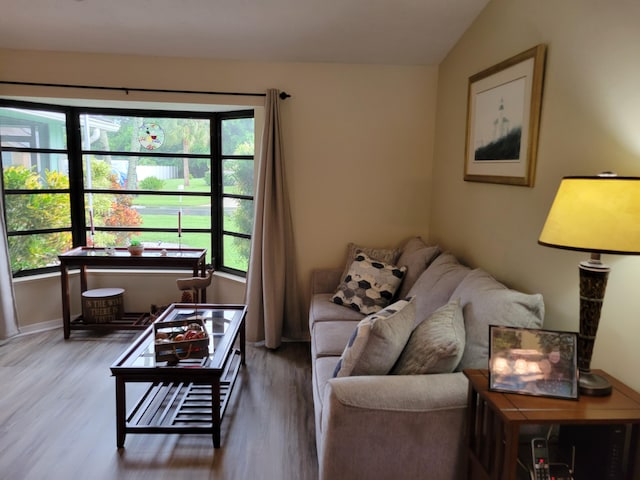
x=485, y=302
x=330, y=338
x=370, y=285
x=435, y=345
x=434, y=287
x=322, y=309
x=382, y=254
x=378, y=340
x=416, y=256
x=323, y=369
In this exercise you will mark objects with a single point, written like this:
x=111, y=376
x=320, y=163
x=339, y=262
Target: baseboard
x=40, y=327
x=34, y=328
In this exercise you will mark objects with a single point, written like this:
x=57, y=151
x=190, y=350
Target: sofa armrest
x=394, y=426
x=325, y=280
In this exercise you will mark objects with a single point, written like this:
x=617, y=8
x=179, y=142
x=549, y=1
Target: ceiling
x=396, y=32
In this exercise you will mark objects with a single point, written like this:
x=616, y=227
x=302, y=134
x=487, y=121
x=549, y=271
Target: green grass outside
x=171, y=185
x=233, y=257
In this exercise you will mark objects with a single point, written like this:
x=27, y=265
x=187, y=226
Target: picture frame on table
x=533, y=362
x=503, y=118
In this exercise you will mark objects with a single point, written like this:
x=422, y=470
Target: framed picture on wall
x=533, y=362
x=503, y=117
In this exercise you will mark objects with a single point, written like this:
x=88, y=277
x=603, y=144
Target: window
x=86, y=176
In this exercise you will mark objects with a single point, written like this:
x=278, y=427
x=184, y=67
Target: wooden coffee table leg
x=242, y=343
x=120, y=411
x=215, y=412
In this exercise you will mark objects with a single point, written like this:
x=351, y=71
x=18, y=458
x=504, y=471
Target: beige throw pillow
x=436, y=345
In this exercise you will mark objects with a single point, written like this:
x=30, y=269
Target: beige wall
x=590, y=123
x=358, y=141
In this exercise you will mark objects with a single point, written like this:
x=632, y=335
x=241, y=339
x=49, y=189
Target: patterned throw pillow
x=378, y=341
x=382, y=254
x=436, y=345
x=369, y=285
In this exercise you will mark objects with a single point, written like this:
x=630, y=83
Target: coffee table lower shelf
x=129, y=321
x=179, y=406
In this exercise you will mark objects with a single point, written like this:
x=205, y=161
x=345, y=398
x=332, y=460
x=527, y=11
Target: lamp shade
x=595, y=214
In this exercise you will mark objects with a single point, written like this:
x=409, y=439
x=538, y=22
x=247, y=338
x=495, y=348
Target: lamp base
x=593, y=385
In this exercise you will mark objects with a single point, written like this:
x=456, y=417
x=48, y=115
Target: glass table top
x=221, y=323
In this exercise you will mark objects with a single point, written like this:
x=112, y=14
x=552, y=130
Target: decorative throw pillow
x=435, y=345
x=382, y=254
x=369, y=285
x=376, y=344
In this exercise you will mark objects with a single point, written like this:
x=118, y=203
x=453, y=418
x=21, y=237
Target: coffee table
x=192, y=395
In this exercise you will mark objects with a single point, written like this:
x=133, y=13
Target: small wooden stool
x=102, y=305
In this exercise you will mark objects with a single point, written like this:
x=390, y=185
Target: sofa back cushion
x=416, y=256
x=485, y=302
x=434, y=287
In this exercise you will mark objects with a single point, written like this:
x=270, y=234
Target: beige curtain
x=274, y=309
x=8, y=313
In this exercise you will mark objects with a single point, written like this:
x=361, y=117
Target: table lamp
x=597, y=215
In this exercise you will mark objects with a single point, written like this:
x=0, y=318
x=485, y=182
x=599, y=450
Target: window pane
x=238, y=215
x=136, y=173
x=237, y=177
x=168, y=240
x=32, y=128
x=37, y=211
x=147, y=173
x=237, y=136
x=111, y=210
x=236, y=252
x=37, y=251
x=147, y=211
x=115, y=133
x=34, y=171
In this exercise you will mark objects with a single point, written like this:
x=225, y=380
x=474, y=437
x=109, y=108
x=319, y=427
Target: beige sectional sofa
x=391, y=424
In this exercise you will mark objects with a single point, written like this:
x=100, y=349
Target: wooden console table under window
x=494, y=421
x=120, y=258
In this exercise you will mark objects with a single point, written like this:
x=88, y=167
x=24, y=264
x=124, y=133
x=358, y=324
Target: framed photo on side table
x=503, y=117
x=533, y=362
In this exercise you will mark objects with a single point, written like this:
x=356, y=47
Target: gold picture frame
x=503, y=118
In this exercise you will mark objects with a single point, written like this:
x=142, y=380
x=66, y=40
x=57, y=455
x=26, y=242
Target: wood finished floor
x=57, y=417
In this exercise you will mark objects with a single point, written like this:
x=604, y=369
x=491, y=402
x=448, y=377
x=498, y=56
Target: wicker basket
x=172, y=351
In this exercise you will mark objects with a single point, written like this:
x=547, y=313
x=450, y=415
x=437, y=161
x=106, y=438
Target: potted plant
x=135, y=247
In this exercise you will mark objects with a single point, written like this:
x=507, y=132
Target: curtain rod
x=282, y=95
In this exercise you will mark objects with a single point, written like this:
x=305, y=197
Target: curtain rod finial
x=284, y=95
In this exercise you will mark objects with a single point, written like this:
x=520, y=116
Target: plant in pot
x=135, y=247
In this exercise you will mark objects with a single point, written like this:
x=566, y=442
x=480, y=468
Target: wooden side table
x=88, y=257
x=494, y=421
